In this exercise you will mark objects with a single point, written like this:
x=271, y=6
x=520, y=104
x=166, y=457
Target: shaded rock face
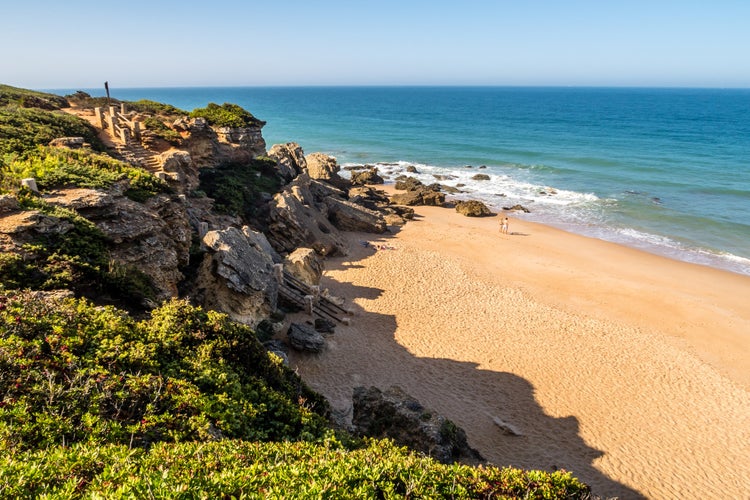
x=396, y=415
x=296, y=220
x=472, y=208
x=348, y=216
x=236, y=276
x=421, y=197
x=323, y=167
x=517, y=208
x=181, y=169
x=153, y=237
x=305, y=265
x=290, y=160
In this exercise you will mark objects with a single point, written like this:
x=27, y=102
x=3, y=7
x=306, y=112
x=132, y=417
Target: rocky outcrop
x=236, y=275
x=290, y=160
x=396, y=415
x=303, y=337
x=212, y=147
x=348, y=216
x=305, y=265
x=297, y=220
x=472, y=208
x=369, y=176
x=480, y=177
x=517, y=208
x=180, y=167
x=325, y=168
x=420, y=197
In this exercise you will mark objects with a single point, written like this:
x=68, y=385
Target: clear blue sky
x=135, y=43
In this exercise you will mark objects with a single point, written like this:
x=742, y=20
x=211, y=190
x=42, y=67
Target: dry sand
x=629, y=369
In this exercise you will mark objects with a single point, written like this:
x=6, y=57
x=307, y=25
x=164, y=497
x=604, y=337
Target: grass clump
x=155, y=108
x=226, y=115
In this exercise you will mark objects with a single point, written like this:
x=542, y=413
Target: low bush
x=226, y=115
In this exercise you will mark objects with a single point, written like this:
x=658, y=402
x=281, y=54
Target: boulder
x=68, y=142
x=236, y=276
x=323, y=325
x=396, y=415
x=348, y=216
x=290, y=160
x=323, y=167
x=8, y=203
x=303, y=337
x=472, y=208
x=305, y=265
x=365, y=177
x=405, y=183
x=480, y=177
x=179, y=165
x=412, y=169
x=517, y=208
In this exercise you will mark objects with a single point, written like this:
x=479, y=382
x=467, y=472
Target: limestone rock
x=369, y=176
x=180, y=166
x=68, y=142
x=517, y=208
x=472, y=208
x=290, y=160
x=296, y=220
x=481, y=177
x=348, y=216
x=8, y=203
x=236, y=276
x=421, y=197
x=303, y=337
x=305, y=265
x=396, y=415
x=323, y=167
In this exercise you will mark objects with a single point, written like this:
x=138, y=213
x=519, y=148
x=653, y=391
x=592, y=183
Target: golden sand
x=629, y=369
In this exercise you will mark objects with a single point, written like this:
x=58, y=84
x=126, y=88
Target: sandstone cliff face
x=210, y=147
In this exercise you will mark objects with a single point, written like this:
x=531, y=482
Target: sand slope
x=629, y=369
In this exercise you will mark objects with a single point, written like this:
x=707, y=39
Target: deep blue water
x=665, y=170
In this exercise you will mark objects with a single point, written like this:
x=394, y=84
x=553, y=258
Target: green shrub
x=156, y=108
x=22, y=129
x=61, y=167
x=226, y=115
x=236, y=469
x=30, y=98
x=158, y=127
x=237, y=188
x=71, y=372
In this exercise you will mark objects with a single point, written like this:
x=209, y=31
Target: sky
x=166, y=43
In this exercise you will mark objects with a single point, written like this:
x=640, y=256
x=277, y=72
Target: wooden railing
x=119, y=126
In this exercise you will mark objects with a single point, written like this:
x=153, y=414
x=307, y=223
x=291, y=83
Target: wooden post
x=278, y=272
x=99, y=117
x=309, y=301
x=137, y=130
x=122, y=108
x=125, y=135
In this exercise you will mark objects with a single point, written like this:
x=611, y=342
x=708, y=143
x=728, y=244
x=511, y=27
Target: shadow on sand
x=472, y=397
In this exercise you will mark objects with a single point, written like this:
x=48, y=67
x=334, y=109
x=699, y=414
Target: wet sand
x=629, y=369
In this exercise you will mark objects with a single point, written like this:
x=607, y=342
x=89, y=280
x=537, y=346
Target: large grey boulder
x=236, y=276
x=303, y=337
x=395, y=414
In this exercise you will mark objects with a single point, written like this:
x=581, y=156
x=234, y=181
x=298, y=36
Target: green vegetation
x=76, y=257
x=226, y=115
x=61, y=167
x=237, y=469
x=179, y=402
x=155, y=108
x=160, y=129
x=237, y=189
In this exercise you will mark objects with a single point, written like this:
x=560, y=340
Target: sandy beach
x=629, y=369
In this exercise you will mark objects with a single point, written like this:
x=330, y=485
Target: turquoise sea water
x=664, y=170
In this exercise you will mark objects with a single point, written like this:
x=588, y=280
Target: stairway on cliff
x=136, y=154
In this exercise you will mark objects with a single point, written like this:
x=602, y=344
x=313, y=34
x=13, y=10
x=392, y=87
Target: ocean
x=662, y=170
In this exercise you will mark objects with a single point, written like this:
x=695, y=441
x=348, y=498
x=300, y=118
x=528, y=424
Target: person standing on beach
x=504, y=226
